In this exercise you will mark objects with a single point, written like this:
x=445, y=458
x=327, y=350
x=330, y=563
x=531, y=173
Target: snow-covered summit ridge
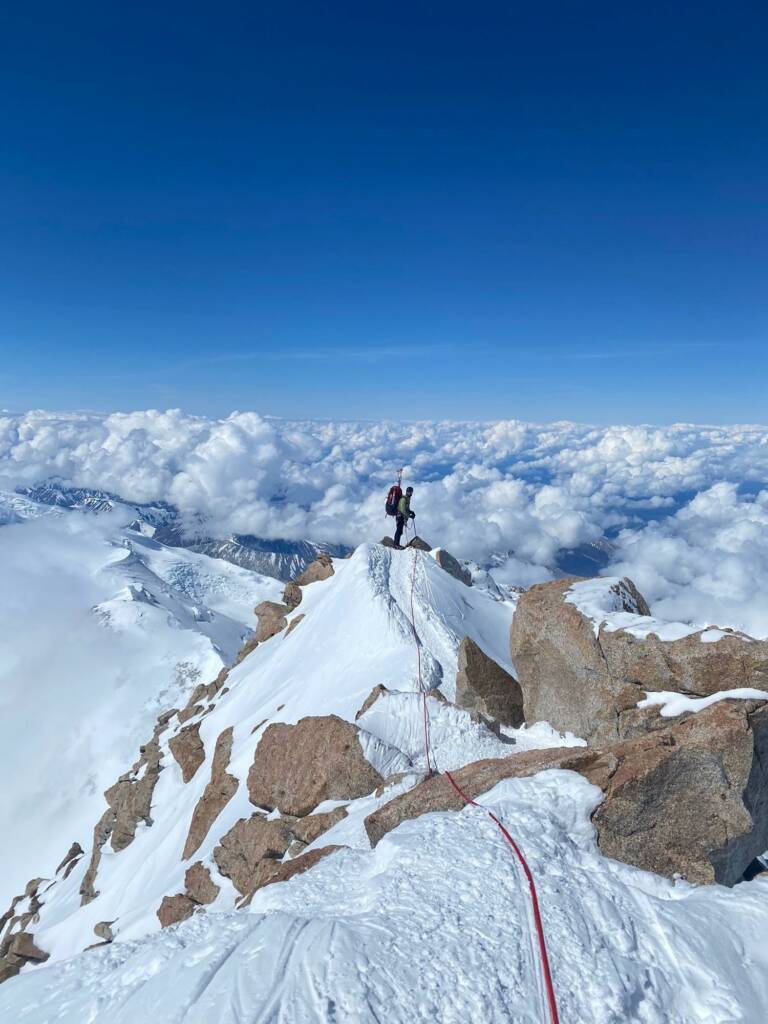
x=357, y=627
x=368, y=932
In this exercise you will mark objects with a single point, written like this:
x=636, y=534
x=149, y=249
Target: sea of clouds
x=685, y=507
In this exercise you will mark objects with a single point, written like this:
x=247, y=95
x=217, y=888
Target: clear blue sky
x=433, y=210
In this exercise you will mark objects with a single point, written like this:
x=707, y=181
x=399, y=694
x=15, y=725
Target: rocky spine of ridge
x=681, y=796
x=129, y=804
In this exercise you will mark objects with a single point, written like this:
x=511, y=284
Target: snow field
x=432, y=925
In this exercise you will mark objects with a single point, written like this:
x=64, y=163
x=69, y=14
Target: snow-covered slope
x=432, y=924
x=355, y=633
x=101, y=629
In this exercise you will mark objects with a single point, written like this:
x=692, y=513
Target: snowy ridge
x=357, y=629
x=104, y=629
x=430, y=925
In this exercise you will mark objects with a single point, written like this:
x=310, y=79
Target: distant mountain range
x=280, y=559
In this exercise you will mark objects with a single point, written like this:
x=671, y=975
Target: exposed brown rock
x=561, y=666
x=270, y=871
x=130, y=801
x=23, y=945
x=190, y=711
x=296, y=767
x=320, y=569
x=73, y=854
x=453, y=567
x=691, y=799
x=246, y=844
x=272, y=619
x=688, y=665
x=419, y=544
x=103, y=930
x=293, y=624
x=188, y=750
x=202, y=692
x=391, y=780
x=250, y=645
x=217, y=794
x=292, y=596
x=174, y=909
x=387, y=542
x=591, y=684
x=199, y=885
x=131, y=797
x=437, y=793
x=371, y=699
x=101, y=832
x=308, y=829
x=9, y=967
x=485, y=687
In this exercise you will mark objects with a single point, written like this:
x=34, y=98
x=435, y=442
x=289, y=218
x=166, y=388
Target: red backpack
x=393, y=499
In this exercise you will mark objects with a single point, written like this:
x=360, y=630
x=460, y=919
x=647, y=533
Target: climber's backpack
x=393, y=499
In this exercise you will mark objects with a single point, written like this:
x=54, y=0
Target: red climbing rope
x=549, y=987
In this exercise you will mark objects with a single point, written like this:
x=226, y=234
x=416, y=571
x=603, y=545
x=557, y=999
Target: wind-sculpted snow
x=685, y=506
x=433, y=925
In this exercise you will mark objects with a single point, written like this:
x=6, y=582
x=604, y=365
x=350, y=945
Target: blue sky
x=422, y=210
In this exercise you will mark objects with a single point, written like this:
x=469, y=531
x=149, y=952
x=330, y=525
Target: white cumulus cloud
x=685, y=503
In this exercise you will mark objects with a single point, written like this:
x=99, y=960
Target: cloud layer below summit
x=686, y=506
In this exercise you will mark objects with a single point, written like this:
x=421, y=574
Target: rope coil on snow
x=546, y=972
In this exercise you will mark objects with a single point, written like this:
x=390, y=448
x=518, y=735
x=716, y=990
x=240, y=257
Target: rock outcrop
x=419, y=544
x=199, y=885
x=130, y=802
x=320, y=569
x=437, y=794
x=688, y=665
x=292, y=595
x=251, y=841
x=203, y=692
x=452, y=566
x=174, y=909
x=247, y=843
x=188, y=750
x=17, y=946
x=588, y=679
x=687, y=799
x=71, y=858
x=293, y=624
x=485, y=687
x=296, y=767
x=270, y=871
x=691, y=799
x=217, y=794
x=378, y=691
x=272, y=620
x=200, y=890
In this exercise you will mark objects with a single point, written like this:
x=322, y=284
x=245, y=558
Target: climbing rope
x=546, y=973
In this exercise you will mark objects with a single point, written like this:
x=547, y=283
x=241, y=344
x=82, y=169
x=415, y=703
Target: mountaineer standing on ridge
x=403, y=514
